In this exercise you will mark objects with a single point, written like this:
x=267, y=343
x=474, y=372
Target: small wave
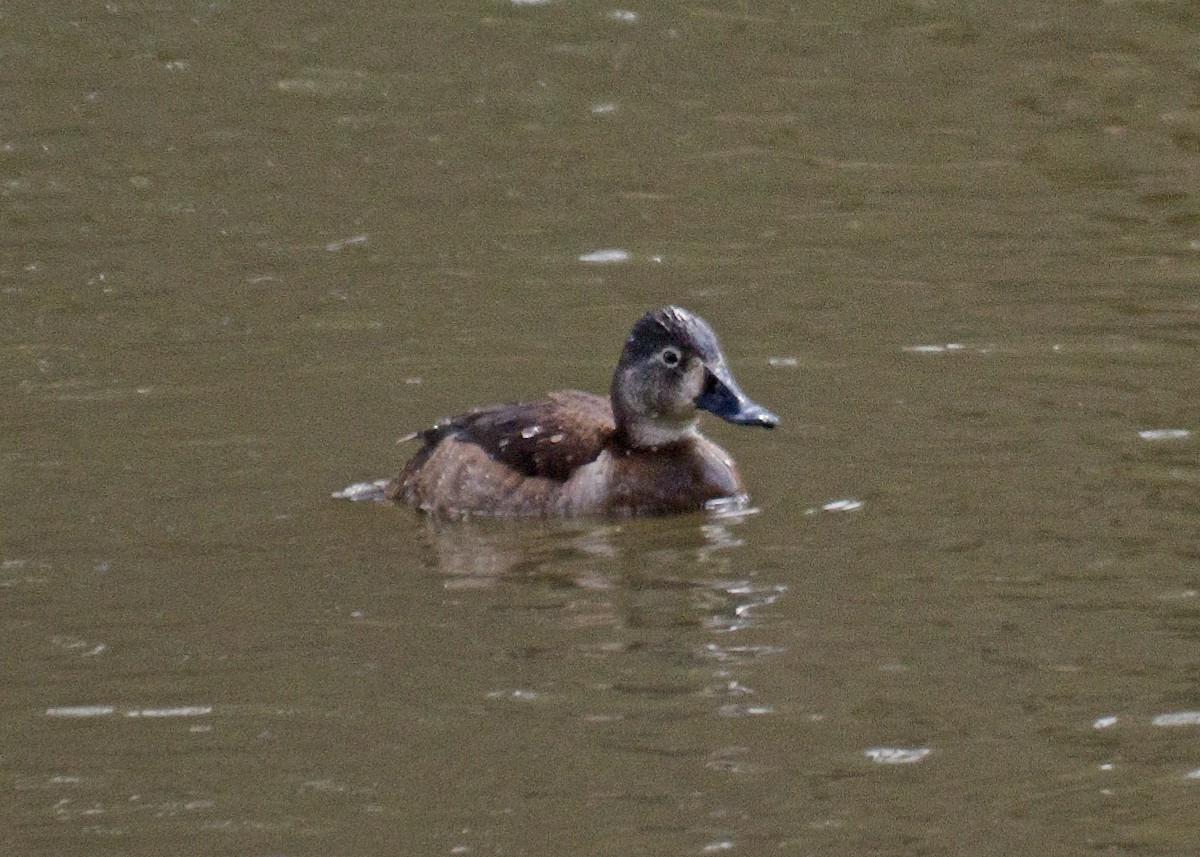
x=363, y=491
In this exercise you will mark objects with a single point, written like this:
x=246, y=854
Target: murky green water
x=956, y=246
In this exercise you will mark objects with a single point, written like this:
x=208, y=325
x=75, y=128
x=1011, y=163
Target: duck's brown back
x=508, y=459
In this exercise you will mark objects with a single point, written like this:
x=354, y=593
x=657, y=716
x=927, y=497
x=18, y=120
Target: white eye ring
x=670, y=356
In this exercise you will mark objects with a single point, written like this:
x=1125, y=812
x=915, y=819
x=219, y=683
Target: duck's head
x=672, y=365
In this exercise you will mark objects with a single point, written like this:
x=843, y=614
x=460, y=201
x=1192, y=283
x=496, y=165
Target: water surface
x=246, y=249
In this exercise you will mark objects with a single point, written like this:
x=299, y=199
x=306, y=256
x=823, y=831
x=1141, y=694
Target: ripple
x=896, y=755
x=610, y=256
x=1177, y=718
x=80, y=711
x=78, y=646
x=518, y=694
x=737, y=506
x=343, y=243
x=842, y=504
x=178, y=711
x=727, y=654
x=731, y=760
x=363, y=491
x=1160, y=434
x=746, y=599
x=733, y=710
x=933, y=348
x=847, y=504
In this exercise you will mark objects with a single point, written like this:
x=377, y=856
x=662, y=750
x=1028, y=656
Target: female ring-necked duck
x=572, y=453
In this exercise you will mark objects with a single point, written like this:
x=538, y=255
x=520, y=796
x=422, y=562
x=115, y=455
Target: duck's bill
x=723, y=397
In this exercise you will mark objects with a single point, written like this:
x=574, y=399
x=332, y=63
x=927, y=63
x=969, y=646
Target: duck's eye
x=671, y=356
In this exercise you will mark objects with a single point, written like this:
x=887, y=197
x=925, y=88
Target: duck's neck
x=648, y=435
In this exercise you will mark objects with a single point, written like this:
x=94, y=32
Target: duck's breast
x=679, y=478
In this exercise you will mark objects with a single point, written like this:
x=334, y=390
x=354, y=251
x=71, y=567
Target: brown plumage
x=575, y=453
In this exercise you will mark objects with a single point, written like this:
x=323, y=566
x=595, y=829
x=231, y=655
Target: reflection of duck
x=666, y=584
x=573, y=453
x=587, y=554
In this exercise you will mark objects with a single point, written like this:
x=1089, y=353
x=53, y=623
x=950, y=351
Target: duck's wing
x=547, y=438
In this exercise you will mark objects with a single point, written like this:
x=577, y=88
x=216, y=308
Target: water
x=247, y=250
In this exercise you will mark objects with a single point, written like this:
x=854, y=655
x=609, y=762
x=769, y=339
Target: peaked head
x=672, y=365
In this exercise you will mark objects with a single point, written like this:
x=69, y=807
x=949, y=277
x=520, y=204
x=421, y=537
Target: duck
x=637, y=451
